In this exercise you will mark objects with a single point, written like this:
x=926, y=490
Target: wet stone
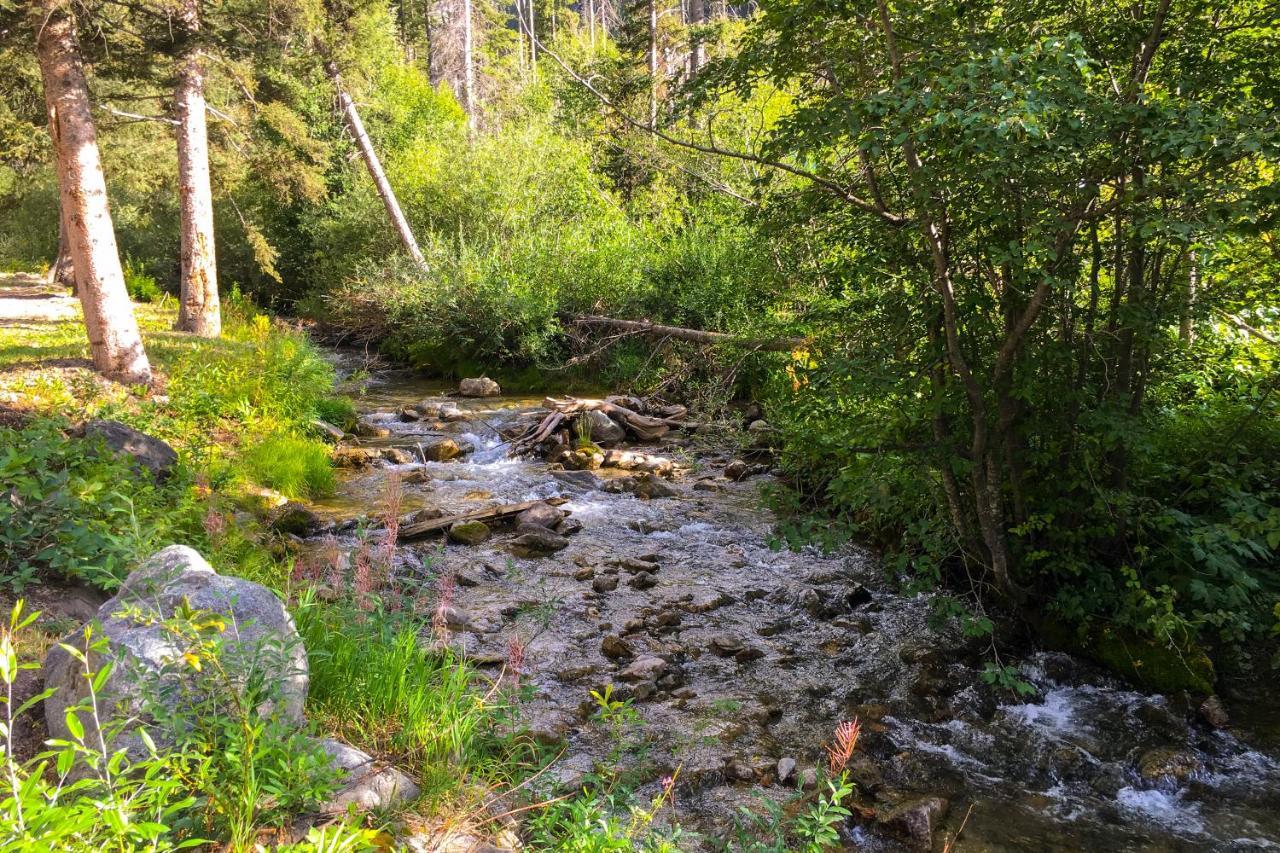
x=605, y=583
x=785, y=769
x=366, y=429
x=469, y=532
x=644, y=668
x=614, y=647
x=643, y=582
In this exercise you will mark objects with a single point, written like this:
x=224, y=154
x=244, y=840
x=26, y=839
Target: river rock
x=736, y=470
x=725, y=645
x=327, y=429
x=479, y=387
x=415, y=477
x=396, y=455
x=577, y=482
x=643, y=581
x=537, y=541
x=604, y=429
x=469, y=532
x=614, y=647
x=1213, y=712
x=143, y=652
x=147, y=452
x=916, y=818
x=761, y=433
x=541, y=514
x=739, y=769
x=582, y=460
x=368, y=429
x=645, y=668
x=442, y=450
x=1167, y=762
x=355, y=457
x=294, y=518
x=605, y=583
x=366, y=784
x=568, y=527
x=785, y=770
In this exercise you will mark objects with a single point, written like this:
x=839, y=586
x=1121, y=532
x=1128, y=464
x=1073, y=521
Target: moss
x=1148, y=664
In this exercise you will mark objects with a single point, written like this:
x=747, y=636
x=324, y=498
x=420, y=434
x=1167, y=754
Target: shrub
x=71, y=510
x=141, y=286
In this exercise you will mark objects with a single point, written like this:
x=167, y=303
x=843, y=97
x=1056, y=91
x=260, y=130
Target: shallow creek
x=763, y=651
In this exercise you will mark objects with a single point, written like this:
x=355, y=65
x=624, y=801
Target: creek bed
x=762, y=651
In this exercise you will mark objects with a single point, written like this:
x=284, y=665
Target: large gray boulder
x=259, y=641
x=147, y=451
x=604, y=429
x=481, y=386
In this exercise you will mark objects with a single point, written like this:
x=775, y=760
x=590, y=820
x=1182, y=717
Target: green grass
x=377, y=681
x=295, y=467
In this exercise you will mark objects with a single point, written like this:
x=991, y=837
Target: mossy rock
x=469, y=532
x=1148, y=664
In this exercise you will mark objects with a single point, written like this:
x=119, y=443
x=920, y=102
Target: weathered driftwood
x=645, y=327
x=493, y=513
x=643, y=427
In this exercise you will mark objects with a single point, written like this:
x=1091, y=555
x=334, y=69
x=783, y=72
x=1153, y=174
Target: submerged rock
x=1167, y=762
x=479, y=387
x=916, y=818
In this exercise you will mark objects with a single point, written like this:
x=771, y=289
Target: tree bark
x=469, y=64
x=697, y=11
x=696, y=336
x=356, y=128
x=114, y=341
x=653, y=63
x=63, y=270
x=198, y=310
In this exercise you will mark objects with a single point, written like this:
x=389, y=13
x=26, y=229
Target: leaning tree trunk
x=653, y=64
x=63, y=271
x=356, y=127
x=114, y=341
x=198, y=310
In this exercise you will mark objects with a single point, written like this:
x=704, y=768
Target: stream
x=740, y=659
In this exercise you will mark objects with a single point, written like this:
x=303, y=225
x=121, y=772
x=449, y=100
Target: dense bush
x=72, y=511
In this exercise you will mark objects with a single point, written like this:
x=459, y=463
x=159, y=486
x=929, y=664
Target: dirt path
x=27, y=298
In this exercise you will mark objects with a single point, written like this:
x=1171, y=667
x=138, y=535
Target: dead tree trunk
x=198, y=309
x=356, y=128
x=697, y=336
x=114, y=341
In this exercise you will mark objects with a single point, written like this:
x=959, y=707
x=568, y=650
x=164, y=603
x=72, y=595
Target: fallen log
x=643, y=427
x=503, y=512
x=698, y=336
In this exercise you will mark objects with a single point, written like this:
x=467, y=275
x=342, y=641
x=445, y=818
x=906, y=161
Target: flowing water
x=750, y=654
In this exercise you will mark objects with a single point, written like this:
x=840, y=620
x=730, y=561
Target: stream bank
x=740, y=659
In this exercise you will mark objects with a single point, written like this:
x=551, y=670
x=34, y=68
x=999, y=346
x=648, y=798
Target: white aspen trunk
x=591, y=22
x=697, y=12
x=388, y=196
x=198, y=309
x=114, y=341
x=653, y=63
x=469, y=66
